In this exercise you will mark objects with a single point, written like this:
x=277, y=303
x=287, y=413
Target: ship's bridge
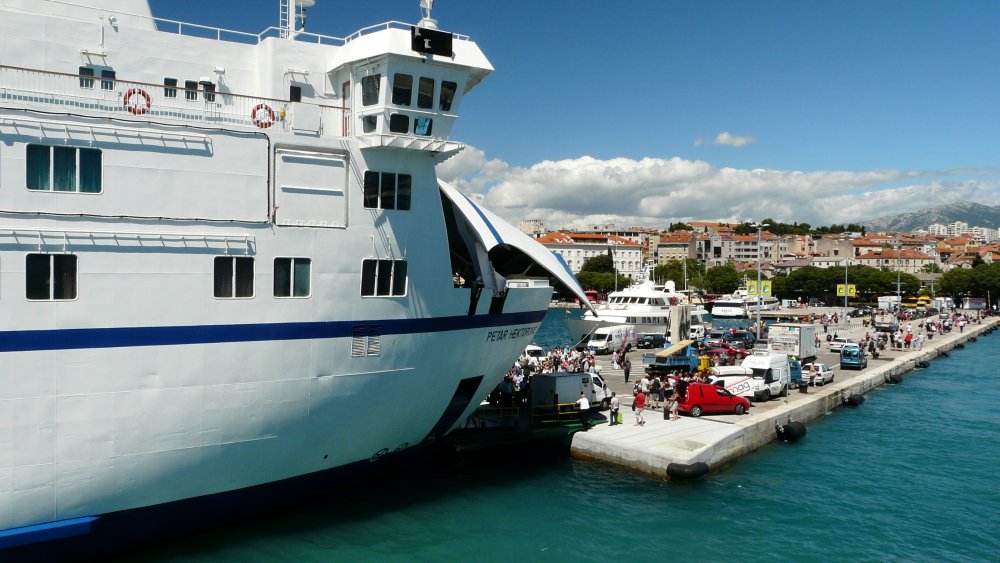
x=405, y=84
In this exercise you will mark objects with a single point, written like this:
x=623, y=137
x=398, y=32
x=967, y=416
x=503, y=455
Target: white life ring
x=137, y=101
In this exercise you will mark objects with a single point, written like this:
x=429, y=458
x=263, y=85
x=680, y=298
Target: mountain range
x=975, y=214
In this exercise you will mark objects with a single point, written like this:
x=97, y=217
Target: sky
x=648, y=112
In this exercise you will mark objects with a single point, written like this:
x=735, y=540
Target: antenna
x=427, y=21
x=292, y=22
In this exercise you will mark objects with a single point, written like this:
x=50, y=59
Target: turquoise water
x=908, y=476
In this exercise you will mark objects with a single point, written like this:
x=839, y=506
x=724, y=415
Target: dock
x=695, y=446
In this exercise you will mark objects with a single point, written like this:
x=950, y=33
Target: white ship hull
x=137, y=370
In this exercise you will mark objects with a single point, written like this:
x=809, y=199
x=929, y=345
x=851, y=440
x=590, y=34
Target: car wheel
x=784, y=391
x=696, y=411
x=767, y=395
x=740, y=409
x=831, y=378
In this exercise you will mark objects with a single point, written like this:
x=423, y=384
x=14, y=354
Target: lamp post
x=899, y=300
x=846, y=262
x=757, y=330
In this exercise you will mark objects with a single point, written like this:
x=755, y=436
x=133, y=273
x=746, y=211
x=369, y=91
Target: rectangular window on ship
x=50, y=277
x=370, y=89
x=63, y=169
x=383, y=278
x=233, y=277
x=292, y=277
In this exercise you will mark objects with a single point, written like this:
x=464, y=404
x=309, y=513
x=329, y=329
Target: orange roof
x=561, y=237
x=892, y=254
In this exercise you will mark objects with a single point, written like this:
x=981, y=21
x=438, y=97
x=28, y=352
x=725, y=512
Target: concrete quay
x=718, y=440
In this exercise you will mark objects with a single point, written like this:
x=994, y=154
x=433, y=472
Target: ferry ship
x=227, y=267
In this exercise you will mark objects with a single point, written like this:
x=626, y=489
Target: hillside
x=975, y=214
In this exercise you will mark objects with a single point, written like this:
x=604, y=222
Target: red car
x=709, y=399
x=724, y=348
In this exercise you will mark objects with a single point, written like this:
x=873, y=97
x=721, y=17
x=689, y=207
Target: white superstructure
x=226, y=260
x=643, y=305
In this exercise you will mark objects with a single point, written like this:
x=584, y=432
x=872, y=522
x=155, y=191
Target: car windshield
x=759, y=373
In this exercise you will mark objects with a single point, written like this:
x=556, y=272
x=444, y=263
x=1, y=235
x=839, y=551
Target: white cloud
x=726, y=139
x=654, y=192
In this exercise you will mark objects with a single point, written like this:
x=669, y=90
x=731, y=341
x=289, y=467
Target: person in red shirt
x=640, y=405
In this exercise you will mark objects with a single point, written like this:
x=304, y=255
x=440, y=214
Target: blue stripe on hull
x=121, y=337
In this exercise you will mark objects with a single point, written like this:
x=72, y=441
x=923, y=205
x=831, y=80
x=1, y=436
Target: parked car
x=727, y=349
x=853, y=357
x=703, y=398
x=838, y=343
x=741, y=339
x=861, y=312
x=715, y=336
x=651, y=341
x=818, y=374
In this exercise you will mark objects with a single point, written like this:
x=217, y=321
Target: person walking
x=680, y=393
x=614, y=409
x=639, y=405
x=627, y=367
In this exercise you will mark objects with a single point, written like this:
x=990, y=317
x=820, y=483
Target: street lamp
x=757, y=330
x=899, y=300
x=846, y=262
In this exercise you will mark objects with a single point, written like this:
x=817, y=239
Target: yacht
x=230, y=275
x=645, y=305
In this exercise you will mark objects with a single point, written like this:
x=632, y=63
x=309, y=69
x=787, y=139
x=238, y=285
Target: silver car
x=817, y=374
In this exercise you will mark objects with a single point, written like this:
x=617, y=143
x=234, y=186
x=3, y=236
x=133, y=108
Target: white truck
x=565, y=387
x=738, y=380
x=771, y=373
x=608, y=339
x=794, y=339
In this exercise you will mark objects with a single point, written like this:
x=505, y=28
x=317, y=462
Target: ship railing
x=158, y=102
x=559, y=413
x=222, y=34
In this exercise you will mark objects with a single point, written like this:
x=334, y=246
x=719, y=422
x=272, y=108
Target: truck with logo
x=565, y=387
x=794, y=339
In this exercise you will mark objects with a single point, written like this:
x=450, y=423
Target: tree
x=931, y=268
x=679, y=227
x=956, y=282
x=674, y=271
x=601, y=281
x=601, y=263
x=722, y=279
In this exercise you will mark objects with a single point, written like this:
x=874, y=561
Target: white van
x=608, y=339
x=738, y=380
x=533, y=355
x=565, y=387
x=771, y=374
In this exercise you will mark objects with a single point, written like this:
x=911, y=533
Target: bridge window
x=423, y=126
x=370, y=89
x=448, y=90
x=425, y=93
x=292, y=277
x=233, y=276
x=399, y=123
x=190, y=90
x=386, y=190
x=402, y=89
x=50, y=277
x=63, y=169
x=383, y=278
x=294, y=93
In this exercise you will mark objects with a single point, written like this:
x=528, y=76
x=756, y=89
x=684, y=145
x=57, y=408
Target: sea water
x=910, y=475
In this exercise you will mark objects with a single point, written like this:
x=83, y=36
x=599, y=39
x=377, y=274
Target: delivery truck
x=794, y=339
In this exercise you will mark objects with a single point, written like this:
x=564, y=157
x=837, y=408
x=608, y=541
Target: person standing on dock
x=583, y=406
x=639, y=405
x=615, y=405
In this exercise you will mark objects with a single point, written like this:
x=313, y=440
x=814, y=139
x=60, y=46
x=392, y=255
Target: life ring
x=138, y=107
x=262, y=115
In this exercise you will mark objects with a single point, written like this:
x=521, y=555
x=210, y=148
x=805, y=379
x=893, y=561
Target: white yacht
x=729, y=307
x=644, y=305
x=228, y=271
